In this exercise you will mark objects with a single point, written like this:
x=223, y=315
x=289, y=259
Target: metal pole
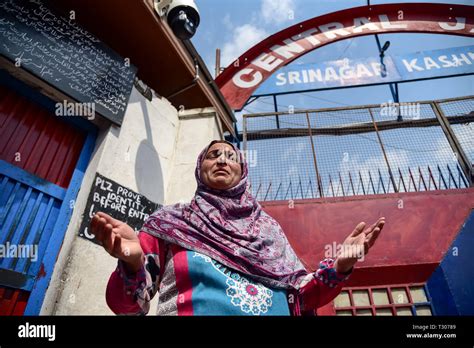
x=392, y=179
x=393, y=89
x=318, y=178
x=244, y=135
x=236, y=130
x=218, y=63
x=275, y=105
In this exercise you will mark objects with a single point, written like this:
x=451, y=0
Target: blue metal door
x=29, y=208
x=43, y=159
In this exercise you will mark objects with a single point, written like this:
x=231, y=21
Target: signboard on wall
x=58, y=51
x=369, y=71
x=119, y=202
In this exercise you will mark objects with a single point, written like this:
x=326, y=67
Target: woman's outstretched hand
x=357, y=244
x=118, y=239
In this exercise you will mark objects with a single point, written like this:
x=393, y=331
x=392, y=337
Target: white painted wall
x=154, y=153
x=198, y=128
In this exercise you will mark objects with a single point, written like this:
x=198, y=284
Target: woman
x=221, y=254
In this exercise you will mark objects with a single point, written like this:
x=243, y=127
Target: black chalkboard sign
x=119, y=202
x=66, y=56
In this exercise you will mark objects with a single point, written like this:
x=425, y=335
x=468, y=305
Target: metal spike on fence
x=352, y=184
x=372, y=183
x=361, y=182
x=258, y=190
x=441, y=177
x=451, y=176
x=380, y=181
x=289, y=187
x=342, y=185
x=268, y=190
x=461, y=176
x=301, y=187
x=311, y=187
x=278, y=190
x=330, y=185
x=412, y=179
x=422, y=179
x=403, y=181
x=432, y=178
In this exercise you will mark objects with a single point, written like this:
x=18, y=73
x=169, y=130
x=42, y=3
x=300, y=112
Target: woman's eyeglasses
x=230, y=155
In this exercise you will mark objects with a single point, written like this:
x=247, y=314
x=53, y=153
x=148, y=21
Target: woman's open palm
x=358, y=243
x=118, y=239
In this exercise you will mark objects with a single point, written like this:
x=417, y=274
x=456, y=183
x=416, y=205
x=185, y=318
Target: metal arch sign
x=239, y=81
x=368, y=71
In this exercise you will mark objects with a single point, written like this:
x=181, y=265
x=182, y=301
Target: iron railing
x=370, y=149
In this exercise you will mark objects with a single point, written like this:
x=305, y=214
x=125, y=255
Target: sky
x=236, y=25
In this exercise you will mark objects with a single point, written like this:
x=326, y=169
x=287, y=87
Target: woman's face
x=220, y=169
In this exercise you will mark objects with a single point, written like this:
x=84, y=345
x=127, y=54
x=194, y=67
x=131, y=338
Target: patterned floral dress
x=190, y=283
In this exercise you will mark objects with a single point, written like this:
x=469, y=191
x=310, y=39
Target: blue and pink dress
x=190, y=283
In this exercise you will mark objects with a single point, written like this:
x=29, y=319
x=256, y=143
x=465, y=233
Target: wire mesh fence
x=459, y=113
x=372, y=149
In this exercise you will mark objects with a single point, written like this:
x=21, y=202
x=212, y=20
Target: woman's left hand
x=357, y=244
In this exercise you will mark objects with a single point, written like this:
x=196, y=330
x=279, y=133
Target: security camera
x=181, y=15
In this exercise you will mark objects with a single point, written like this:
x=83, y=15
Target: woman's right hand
x=119, y=240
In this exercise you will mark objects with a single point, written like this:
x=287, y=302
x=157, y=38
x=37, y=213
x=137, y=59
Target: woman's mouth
x=220, y=171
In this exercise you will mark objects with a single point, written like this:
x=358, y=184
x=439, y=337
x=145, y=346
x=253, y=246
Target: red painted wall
x=419, y=229
x=48, y=147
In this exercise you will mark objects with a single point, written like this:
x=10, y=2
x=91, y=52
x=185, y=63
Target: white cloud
x=247, y=35
x=244, y=37
x=356, y=164
x=277, y=11
x=227, y=22
x=374, y=163
x=444, y=153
